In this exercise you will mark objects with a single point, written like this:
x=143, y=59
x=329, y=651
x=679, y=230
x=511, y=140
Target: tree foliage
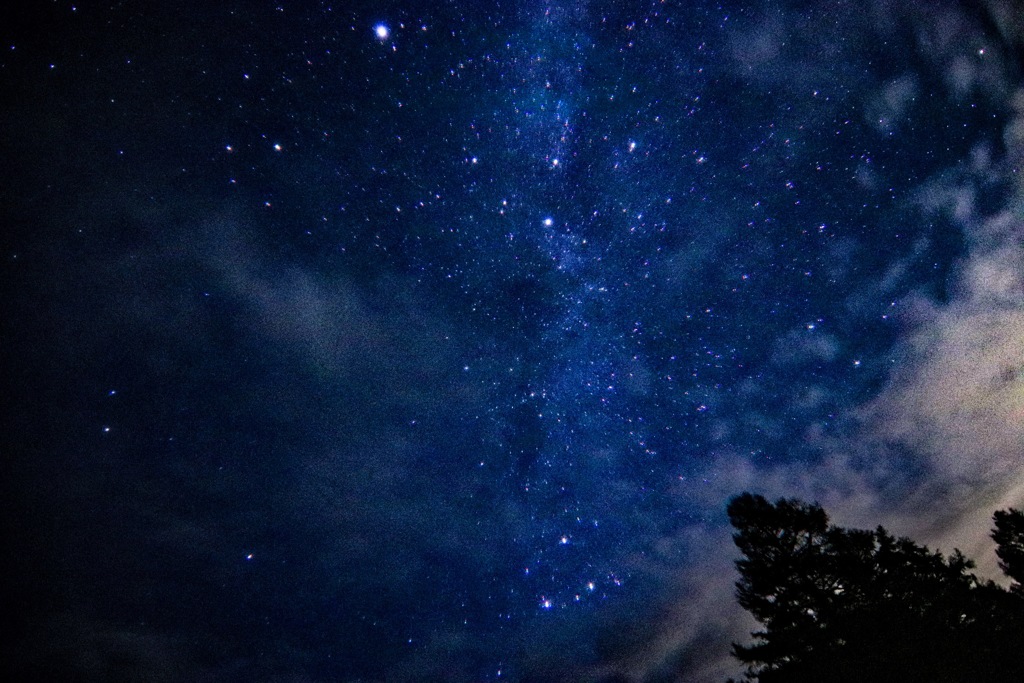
x=843, y=605
x=1009, y=537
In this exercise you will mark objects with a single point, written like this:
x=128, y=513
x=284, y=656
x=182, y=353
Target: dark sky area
x=426, y=341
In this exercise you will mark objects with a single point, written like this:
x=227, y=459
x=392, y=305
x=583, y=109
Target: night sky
x=426, y=341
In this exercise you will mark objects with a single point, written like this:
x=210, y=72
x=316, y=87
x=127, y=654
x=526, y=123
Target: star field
x=427, y=341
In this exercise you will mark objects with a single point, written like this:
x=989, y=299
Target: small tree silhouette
x=1009, y=536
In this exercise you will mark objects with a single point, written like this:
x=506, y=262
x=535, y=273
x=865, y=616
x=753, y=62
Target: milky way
x=427, y=342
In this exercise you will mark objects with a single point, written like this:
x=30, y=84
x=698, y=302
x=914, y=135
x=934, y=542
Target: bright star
x=382, y=31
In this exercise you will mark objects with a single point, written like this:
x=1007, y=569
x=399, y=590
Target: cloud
x=956, y=400
x=74, y=646
x=940, y=445
x=889, y=107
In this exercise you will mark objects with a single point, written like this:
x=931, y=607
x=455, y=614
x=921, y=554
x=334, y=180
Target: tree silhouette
x=855, y=605
x=1009, y=536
